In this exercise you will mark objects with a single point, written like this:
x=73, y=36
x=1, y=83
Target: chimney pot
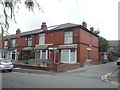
x=18, y=31
x=84, y=24
x=92, y=29
x=44, y=26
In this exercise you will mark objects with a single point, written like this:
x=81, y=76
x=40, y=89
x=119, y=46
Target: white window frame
x=5, y=44
x=69, y=61
x=41, y=41
x=41, y=54
x=69, y=36
x=13, y=42
x=29, y=41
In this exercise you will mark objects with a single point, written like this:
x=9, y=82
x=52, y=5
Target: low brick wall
x=32, y=67
x=65, y=67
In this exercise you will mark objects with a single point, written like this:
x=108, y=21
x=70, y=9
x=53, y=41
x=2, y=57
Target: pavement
x=52, y=72
x=113, y=77
x=33, y=71
x=77, y=78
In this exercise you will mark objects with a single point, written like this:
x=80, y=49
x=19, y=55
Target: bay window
x=42, y=54
x=68, y=55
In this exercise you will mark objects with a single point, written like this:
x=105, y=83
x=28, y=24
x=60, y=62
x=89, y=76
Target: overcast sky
x=100, y=14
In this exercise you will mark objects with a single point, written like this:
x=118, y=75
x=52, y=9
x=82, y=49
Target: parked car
x=6, y=64
x=118, y=61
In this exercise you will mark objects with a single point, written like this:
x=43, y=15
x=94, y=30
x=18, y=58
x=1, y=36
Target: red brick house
x=65, y=43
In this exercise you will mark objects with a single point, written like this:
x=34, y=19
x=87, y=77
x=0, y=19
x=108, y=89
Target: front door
x=54, y=55
x=51, y=54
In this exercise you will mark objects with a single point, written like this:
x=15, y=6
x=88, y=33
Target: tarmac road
x=87, y=77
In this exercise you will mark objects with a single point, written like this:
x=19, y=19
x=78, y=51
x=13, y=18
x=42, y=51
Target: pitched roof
x=66, y=25
x=70, y=25
x=51, y=29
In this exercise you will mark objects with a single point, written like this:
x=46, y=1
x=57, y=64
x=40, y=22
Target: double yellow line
x=106, y=76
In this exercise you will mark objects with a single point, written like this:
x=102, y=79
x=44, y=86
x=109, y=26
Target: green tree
x=103, y=44
x=8, y=8
x=97, y=32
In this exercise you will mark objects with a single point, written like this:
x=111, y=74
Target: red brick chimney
x=92, y=29
x=84, y=24
x=18, y=31
x=44, y=26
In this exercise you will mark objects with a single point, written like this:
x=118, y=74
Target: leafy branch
x=9, y=8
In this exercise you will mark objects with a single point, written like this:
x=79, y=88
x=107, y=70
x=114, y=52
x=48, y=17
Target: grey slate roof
x=51, y=28
x=67, y=46
x=41, y=47
x=25, y=33
x=66, y=25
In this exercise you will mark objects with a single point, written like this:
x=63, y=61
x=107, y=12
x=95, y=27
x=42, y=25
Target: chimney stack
x=92, y=29
x=18, y=31
x=44, y=26
x=84, y=24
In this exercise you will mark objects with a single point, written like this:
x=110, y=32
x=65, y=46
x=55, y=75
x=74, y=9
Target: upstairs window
x=5, y=44
x=42, y=39
x=68, y=37
x=30, y=41
x=13, y=43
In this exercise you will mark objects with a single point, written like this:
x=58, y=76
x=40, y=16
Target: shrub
x=110, y=58
x=100, y=62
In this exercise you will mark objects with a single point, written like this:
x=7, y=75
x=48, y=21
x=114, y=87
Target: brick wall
x=1, y=44
x=65, y=67
x=21, y=42
x=55, y=37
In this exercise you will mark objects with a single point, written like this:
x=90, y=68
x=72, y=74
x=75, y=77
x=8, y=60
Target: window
x=13, y=55
x=89, y=54
x=3, y=55
x=111, y=48
x=42, y=39
x=5, y=44
x=68, y=37
x=29, y=41
x=13, y=43
x=41, y=54
x=68, y=55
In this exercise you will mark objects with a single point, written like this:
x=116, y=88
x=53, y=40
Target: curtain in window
x=43, y=54
x=42, y=39
x=68, y=37
x=72, y=55
x=65, y=56
x=68, y=55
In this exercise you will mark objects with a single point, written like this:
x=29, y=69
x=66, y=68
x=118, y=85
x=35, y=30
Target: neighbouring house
x=66, y=43
x=103, y=56
x=114, y=48
x=114, y=44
